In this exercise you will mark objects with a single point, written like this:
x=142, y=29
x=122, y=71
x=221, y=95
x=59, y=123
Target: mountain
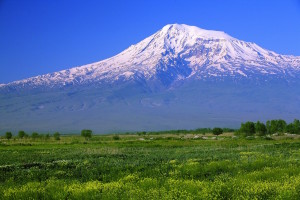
x=180, y=77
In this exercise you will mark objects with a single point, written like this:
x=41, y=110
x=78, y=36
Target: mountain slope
x=180, y=77
x=180, y=51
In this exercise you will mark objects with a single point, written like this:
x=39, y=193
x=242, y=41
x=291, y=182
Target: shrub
x=21, y=134
x=56, y=136
x=86, y=133
x=34, y=135
x=141, y=133
x=116, y=137
x=8, y=135
x=217, y=131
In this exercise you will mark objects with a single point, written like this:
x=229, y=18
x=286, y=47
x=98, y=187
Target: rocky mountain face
x=180, y=77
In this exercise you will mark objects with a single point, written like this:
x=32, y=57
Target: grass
x=164, y=166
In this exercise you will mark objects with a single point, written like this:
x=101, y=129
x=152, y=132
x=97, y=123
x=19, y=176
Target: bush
x=35, y=135
x=56, y=136
x=8, y=135
x=21, y=134
x=86, y=133
x=116, y=137
x=141, y=133
x=217, y=131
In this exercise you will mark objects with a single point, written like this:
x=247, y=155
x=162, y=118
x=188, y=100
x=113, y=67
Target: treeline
x=23, y=135
x=277, y=126
x=184, y=131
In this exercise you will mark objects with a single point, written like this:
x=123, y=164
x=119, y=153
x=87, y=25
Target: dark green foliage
x=228, y=130
x=86, y=133
x=296, y=124
x=21, y=134
x=276, y=126
x=217, y=131
x=8, y=135
x=271, y=127
x=248, y=128
x=56, y=136
x=202, y=131
x=177, y=132
x=35, y=135
x=141, y=133
x=116, y=137
x=260, y=128
x=293, y=128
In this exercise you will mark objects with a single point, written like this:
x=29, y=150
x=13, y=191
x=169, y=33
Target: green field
x=164, y=166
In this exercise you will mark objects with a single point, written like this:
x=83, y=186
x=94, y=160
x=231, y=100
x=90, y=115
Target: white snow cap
x=206, y=53
x=194, y=31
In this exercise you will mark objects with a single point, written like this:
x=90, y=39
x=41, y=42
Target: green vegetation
x=116, y=137
x=56, y=136
x=248, y=128
x=34, y=135
x=22, y=134
x=278, y=127
x=8, y=135
x=86, y=134
x=150, y=166
x=217, y=131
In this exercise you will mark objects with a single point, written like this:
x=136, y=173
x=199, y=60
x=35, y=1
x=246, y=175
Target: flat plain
x=158, y=166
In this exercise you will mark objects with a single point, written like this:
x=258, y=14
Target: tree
x=296, y=125
x=281, y=124
x=260, y=128
x=217, y=131
x=268, y=126
x=293, y=128
x=290, y=128
x=21, y=134
x=56, y=136
x=86, y=133
x=276, y=126
x=34, y=135
x=248, y=128
x=8, y=135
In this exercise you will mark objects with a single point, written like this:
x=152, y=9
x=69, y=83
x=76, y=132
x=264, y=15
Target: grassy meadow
x=158, y=166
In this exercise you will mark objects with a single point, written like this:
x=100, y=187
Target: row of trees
x=22, y=134
x=195, y=131
x=271, y=127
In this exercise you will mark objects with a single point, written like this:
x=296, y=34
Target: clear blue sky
x=42, y=36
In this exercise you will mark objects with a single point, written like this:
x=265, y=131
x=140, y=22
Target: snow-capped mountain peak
x=181, y=77
x=178, y=52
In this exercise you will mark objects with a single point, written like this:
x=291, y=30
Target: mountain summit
x=178, y=52
x=180, y=77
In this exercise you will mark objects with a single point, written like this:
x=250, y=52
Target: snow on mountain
x=177, y=52
x=181, y=77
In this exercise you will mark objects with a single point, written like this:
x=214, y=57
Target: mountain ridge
x=204, y=54
x=181, y=77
